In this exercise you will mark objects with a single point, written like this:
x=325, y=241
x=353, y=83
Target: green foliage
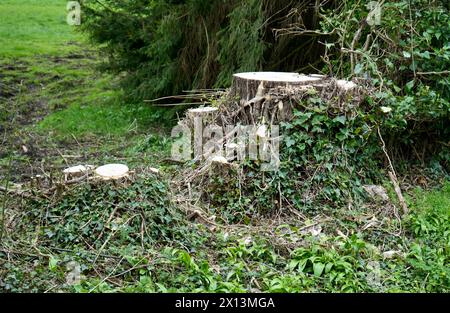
x=430, y=253
x=326, y=155
x=341, y=269
x=97, y=223
x=102, y=211
x=177, y=256
x=240, y=46
x=328, y=149
x=169, y=46
x=107, y=117
x=406, y=56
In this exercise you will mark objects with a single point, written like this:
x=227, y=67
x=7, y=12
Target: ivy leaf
x=425, y=55
x=388, y=63
x=317, y=120
x=53, y=264
x=340, y=119
x=358, y=68
x=301, y=118
x=289, y=142
x=410, y=85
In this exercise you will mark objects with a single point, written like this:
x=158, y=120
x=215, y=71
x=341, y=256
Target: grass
x=101, y=119
x=436, y=201
x=35, y=34
x=33, y=27
x=56, y=99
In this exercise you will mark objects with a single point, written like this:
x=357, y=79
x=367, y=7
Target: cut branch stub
x=77, y=171
x=246, y=85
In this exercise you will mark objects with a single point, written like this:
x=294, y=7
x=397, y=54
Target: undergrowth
x=133, y=239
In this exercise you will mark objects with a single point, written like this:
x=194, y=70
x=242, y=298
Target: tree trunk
x=246, y=85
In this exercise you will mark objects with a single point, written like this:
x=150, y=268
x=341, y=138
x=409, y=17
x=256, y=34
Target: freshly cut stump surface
x=207, y=115
x=112, y=171
x=246, y=85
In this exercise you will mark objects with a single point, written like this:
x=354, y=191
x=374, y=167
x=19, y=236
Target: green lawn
x=54, y=92
x=30, y=27
x=35, y=34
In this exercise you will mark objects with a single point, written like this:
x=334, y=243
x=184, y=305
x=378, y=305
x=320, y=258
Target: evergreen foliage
x=167, y=46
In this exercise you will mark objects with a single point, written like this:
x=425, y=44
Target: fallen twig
x=394, y=179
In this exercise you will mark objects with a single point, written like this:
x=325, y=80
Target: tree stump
x=206, y=114
x=246, y=85
x=112, y=171
x=197, y=120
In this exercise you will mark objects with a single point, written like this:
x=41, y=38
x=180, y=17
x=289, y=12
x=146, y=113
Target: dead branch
x=398, y=191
